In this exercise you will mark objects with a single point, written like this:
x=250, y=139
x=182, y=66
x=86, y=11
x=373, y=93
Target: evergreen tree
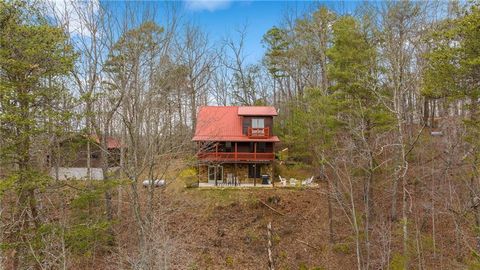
x=453, y=71
x=353, y=73
x=32, y=55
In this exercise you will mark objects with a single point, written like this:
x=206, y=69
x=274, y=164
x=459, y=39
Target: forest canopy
x=380, y=104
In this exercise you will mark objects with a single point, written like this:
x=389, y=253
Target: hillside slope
x=227, y=229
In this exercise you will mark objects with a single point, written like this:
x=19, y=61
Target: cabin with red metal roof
x=235, y=145
x=74, y=160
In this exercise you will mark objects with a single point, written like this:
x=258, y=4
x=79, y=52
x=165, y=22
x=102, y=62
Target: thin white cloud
x=70, y=13
x=210, y=5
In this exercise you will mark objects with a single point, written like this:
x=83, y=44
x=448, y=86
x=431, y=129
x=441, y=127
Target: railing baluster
x=258, y=132
x=233, y=156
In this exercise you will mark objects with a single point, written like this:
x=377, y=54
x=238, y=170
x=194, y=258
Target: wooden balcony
x=258, y=133
x=235, y=156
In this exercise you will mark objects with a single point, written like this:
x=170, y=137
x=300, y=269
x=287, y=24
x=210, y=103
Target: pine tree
x=353, y=73
x=32, y=55
x=453, y=71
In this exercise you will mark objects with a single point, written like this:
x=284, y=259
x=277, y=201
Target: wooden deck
x=235, y=156
x=246, y=185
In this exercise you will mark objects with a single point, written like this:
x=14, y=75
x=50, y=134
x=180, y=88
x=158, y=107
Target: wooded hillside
x=381, y=105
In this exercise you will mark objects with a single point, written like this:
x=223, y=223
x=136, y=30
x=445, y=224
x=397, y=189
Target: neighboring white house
x=65, y=173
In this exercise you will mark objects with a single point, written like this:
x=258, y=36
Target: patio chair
x=308, y=181
x=283, y=181
x=293, y=182
x=236, y=182
x=230, y=181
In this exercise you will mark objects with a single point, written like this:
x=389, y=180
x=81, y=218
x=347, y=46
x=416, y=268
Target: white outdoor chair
x=283, y=181
x=236, y=182
x=293, y=182
x=308, y=181
x=230, y=180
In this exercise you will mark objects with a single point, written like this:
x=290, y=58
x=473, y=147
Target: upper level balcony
x=258, y=133
x=235, y=156
x=236, y=151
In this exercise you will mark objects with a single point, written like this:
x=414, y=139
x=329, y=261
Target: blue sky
x=220, y=18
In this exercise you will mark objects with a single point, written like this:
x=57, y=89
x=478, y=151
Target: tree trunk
x=432, y=113
x=193, y=104
x=426, y=111
x=104, y=155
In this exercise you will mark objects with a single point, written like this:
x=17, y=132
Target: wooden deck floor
x=246, y=185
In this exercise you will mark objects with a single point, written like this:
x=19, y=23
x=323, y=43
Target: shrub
x=229, y=261
x=84, y=238
x=189, y=177
x=398, y=261
x=343, y=248
x=302, y=266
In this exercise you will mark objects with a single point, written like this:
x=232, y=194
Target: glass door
x=219, y=175
x=215, y=174
x=211, y=174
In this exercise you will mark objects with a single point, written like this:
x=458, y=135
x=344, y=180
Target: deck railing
x=258, y=132
x=235, y=156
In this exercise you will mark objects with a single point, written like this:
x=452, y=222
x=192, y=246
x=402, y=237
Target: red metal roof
x=257, y=110
x=112, y=143
x=224, y=123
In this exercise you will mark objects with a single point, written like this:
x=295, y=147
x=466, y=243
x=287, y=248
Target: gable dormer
x=257, y=122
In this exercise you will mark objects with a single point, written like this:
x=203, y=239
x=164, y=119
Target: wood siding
x=73, y=153
x=247, y=122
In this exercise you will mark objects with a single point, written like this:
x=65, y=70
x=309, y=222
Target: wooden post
x=269, y=248
x=273, y=173
x=255, y=165
x=236, y=156
x=216, y=152
x=254, y=174
x=236, y=159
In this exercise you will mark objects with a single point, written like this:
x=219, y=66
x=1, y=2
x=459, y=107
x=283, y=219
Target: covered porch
x=246, y=174
x=240, y=185
x=259, y=151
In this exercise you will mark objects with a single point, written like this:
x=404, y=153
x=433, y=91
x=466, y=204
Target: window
x=258, y=123
x=254, y=170
x=246, y=125
x=261, y=147
x=228, y=146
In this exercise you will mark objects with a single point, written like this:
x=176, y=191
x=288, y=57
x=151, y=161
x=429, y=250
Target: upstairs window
x=258, y=123
x=246, y=125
